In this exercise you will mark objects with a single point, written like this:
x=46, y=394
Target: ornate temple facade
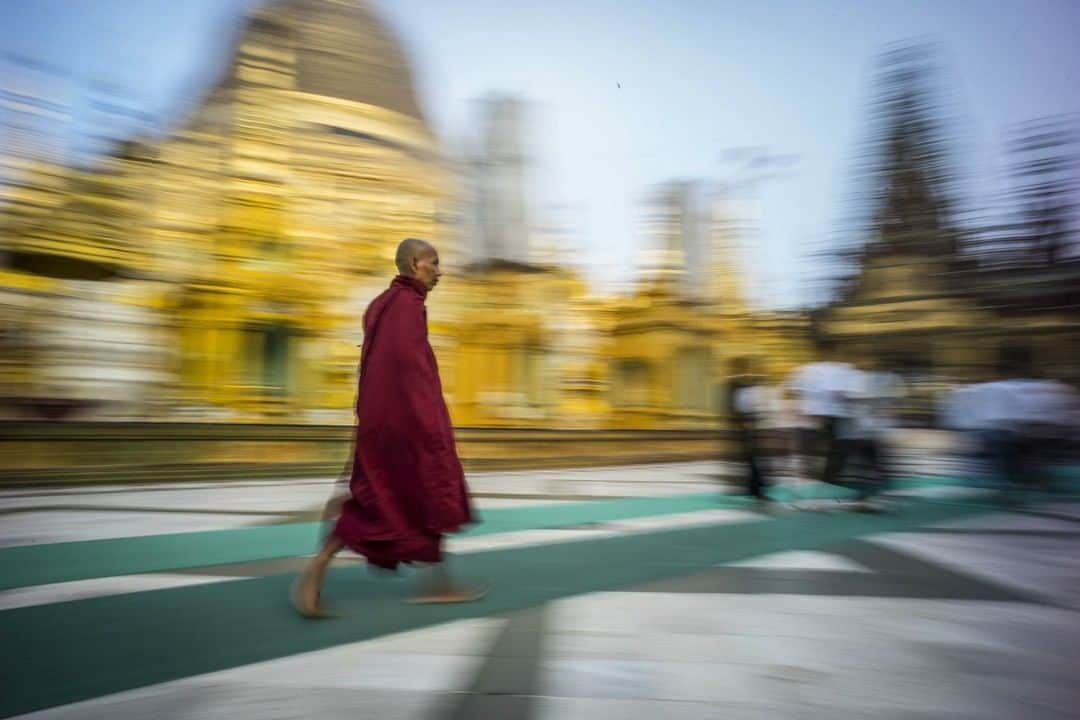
x=922, y=303
x=221, y=273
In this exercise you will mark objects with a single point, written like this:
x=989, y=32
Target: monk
x=406, y=484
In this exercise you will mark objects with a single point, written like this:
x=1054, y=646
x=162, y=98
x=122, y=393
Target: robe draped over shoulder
x=407, y=485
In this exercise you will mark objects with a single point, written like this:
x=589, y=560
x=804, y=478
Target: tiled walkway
x=684, y=604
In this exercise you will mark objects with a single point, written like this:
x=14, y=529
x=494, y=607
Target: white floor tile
x=100, y=587
x=802, y=560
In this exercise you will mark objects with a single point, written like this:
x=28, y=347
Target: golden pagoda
x=221, y=273
x=253, y=236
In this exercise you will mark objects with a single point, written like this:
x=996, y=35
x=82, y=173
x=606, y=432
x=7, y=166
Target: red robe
x=407, y=484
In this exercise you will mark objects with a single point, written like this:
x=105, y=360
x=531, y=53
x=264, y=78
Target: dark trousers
x=867, y=452
x=836, y=452
x=1008, y=454
x=840, y=452
x=750, y=455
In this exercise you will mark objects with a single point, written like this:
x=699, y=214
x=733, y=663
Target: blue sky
x=696, y=79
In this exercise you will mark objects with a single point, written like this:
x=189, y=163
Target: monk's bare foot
x=306, y=594
x=449, y=595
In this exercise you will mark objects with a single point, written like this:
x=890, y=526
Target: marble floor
x=944, y=607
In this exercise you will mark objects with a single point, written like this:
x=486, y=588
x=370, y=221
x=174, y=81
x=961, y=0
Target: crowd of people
x=837, y=422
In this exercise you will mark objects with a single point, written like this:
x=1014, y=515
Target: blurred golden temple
x=220, y=274
x=215, y=277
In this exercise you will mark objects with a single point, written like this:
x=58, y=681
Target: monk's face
x=426, y=268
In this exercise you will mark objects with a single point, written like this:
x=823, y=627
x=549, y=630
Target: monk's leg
x=309, y=586
x=439, y=588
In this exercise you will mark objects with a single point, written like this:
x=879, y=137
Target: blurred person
x=1046, y=420
x=406, y=484
x=873, y=397
x=780, y=423
x=823, y=388
x=1058, y=410
x=745, y=406
x=1001, y=417
x=958, y=413
x=796, y=432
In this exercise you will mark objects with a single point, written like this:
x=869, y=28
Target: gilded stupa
x=220, y=273
x=237, y=254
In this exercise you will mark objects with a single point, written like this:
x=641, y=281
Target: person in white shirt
x=958, y=411
x=1049, y=409
x=874, y=398
x=1002, y=411
x=823, y=389
x=854, y=411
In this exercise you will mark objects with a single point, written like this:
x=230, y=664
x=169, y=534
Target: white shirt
x=872, y=399
x=1001, y=405
x=959, y=408
x=824, y=387
x=1044, y=404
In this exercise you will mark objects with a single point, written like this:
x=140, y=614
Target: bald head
x=408, y=250
x=418, y=259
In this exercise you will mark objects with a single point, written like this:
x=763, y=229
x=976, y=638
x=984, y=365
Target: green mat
x=62, y=562
x=61, y=653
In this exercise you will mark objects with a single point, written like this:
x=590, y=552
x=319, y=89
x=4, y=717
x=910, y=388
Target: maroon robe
x=407, y=484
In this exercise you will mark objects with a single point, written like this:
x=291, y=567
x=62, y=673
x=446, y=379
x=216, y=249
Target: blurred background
x=198, y=200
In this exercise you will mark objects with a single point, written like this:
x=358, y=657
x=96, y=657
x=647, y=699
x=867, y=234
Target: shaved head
x=418, y=259
x=408, y=250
